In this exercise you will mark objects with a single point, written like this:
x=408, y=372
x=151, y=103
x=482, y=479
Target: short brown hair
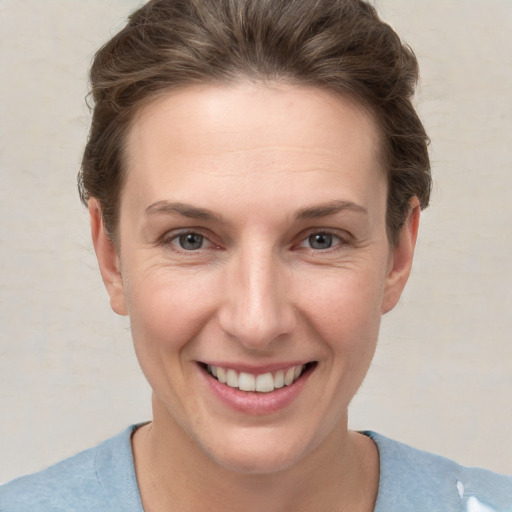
x=341, y=45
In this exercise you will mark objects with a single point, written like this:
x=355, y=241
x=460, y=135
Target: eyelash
x=341, y=240
x=173, y=239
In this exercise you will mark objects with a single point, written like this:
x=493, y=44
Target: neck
x=173, y=473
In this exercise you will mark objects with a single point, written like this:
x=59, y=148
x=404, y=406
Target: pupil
x=191, y=241
x=321, y=241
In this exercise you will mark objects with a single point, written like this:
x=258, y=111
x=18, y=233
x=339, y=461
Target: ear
x=108, y=259
x=401, y=258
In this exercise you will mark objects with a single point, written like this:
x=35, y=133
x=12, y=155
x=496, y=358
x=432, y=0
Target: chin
x=257, y=454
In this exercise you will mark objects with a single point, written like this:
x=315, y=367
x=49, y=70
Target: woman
x=254, y=176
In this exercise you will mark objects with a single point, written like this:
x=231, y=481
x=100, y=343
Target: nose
x=257, y=309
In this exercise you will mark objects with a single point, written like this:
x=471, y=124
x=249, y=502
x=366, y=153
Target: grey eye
x=191, y=241
x=320, y=241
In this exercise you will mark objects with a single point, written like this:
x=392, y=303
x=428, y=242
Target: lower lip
x=253, y=403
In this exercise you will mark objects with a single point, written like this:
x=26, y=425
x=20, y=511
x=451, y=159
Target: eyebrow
x=186, y=210
x=193, y=212
x=330, y=208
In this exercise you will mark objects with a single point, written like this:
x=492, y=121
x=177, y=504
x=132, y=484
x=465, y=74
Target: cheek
x=167, y=312
x=167, y=309
x=345, y=307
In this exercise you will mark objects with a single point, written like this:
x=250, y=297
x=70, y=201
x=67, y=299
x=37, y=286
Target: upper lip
x=256, y=369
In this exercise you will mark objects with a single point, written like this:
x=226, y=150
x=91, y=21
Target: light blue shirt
x=102, y=479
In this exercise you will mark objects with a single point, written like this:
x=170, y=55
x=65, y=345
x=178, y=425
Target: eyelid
x=171, y=236
x=175, y=241
x=343, y=237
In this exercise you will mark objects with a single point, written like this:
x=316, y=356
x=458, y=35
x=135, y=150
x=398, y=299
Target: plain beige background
x=442, y=377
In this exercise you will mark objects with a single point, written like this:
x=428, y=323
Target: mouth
x=259, y=383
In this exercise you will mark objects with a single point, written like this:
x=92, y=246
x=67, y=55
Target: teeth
x=288, y=376
x=232, y=378
x=263, y=383
x=246, y=381
x=279, y=379
x=221, y=374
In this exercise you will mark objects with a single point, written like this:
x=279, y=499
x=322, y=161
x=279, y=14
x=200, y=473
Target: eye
x=321, y=241
x=190, y=241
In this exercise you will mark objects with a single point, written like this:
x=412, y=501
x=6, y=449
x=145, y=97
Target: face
x=254, y=264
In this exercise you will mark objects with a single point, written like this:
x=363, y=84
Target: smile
x=262, y=383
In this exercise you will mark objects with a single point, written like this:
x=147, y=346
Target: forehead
x=259, y=137
x=256, y=108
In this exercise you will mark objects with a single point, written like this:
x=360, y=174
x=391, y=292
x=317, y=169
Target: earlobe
x=108, y=259
x=401, y=258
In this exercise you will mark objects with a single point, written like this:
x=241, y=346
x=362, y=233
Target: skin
x=273, y=165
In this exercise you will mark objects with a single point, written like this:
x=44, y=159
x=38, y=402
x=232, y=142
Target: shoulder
x=412, y=479
x=100, y=478
x=68, y=485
